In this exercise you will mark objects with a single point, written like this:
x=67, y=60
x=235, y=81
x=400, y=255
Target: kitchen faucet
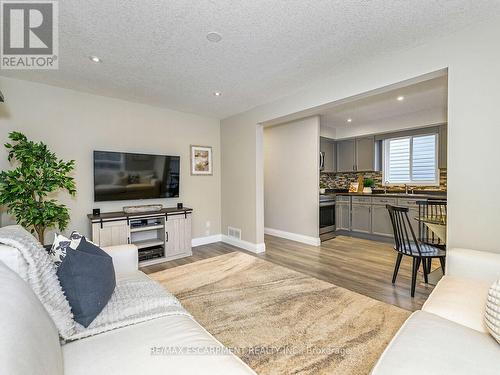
x=406, y=188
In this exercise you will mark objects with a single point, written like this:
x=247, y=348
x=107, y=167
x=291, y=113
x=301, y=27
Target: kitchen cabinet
x=381, y=221
x=443, y=146
x=327, y=146
x=365, y=154
x=365, y=214
x=411, y=203
x=346, y=156
x=361, y=214
x=343, y=215
x=356, y=154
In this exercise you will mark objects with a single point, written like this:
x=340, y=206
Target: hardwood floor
x=360, y=265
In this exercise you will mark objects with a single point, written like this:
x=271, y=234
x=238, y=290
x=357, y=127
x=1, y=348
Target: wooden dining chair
x=407, y=244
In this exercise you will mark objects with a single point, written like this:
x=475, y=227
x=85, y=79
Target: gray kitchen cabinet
x=346, y=155
x=443, y=146
x=411, y=203
x=327, y=146
x=413, y=215
x=381, y=221
x=356, y=154
x=365, y=154
x=343, y=216
x=361, y=217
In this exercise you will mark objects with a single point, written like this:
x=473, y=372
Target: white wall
x=291, y=175
x=73, y=124
x=472, y=57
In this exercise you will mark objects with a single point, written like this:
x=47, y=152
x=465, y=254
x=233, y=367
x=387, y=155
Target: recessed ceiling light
x=217, y=93
x=214, y=37
x=349, y=120
x=95, y=59
x=401, y=98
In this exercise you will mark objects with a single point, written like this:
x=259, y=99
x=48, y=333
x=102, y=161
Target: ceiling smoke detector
x=214, y=37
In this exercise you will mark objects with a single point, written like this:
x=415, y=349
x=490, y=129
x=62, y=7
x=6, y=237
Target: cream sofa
x=448, y=335
x=29, y=341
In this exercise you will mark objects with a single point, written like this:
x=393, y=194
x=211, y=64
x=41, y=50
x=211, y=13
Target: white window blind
x=411, y=160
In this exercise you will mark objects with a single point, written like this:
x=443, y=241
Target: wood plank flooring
x=360, y=265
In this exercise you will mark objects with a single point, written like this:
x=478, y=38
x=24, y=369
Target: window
x=411, y=160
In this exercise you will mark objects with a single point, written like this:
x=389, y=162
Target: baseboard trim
x=249, y=246
x=314, y=241
x=206, y=240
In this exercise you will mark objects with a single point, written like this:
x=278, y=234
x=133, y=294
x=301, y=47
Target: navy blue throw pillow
x=87, y=277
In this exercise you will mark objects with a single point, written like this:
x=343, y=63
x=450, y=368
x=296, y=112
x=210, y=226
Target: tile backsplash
x=341, y=180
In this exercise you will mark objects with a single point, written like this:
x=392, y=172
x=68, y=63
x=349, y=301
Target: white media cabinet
x=160, y=236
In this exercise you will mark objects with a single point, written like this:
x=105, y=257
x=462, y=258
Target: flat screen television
x=125, y=176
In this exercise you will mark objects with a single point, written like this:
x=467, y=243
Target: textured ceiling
x=430, y=95
x=156, y=51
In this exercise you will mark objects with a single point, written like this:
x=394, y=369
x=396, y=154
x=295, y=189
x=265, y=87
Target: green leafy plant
x=368, y=182
x=26, y=189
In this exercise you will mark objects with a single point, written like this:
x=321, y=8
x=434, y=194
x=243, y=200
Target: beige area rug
x=280, y=321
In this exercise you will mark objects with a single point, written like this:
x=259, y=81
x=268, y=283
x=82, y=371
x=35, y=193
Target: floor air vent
x=234, y=232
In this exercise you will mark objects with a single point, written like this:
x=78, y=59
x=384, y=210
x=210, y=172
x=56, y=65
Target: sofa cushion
x=139, y=349
x=29, y=341
x=88, y=280
x=429, y=344
x=460, y=300
x=492, y=313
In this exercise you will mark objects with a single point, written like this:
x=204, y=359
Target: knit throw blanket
x=136, y=298
x=39, y=272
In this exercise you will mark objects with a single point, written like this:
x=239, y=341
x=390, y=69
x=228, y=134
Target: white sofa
x=448, y=335
x=29, y=341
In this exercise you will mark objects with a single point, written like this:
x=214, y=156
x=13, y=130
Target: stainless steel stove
x=326, y=213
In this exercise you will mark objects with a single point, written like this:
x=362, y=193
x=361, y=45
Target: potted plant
x=368, y=183
x=27, y=189
x=322, y=187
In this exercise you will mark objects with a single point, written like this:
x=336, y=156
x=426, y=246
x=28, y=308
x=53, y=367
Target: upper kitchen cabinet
x=443, y=146
x=365, y=154
x=327, y=147
x=356, y=154
x=346, y=156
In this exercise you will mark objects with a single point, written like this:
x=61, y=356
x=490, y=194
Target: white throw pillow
x=61, y=245
x=492, y=311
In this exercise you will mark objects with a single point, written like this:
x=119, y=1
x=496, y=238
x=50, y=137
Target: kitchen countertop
x=397, y=195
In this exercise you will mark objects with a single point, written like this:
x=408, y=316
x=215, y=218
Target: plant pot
x=367, y=190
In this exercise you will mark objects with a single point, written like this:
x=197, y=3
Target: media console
x=160, y=236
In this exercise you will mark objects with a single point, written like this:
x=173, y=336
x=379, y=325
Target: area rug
x=280, y=321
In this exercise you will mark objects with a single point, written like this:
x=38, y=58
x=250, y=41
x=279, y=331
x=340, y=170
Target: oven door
x=326, y=217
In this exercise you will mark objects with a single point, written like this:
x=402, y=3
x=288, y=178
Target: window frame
x=385, y=151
